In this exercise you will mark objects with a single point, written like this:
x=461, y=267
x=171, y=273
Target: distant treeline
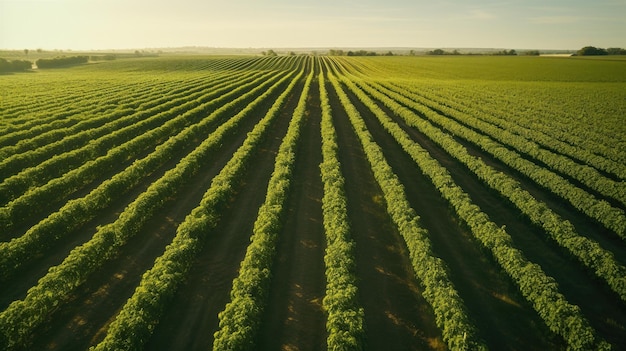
x=335, y=52
x=15, y=65
x=593, y=51
x=108, y=57
x=61, y=61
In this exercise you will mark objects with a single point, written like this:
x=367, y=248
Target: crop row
x=450, y=312
x=551, y=119
x=538, y=132
x=36, y=138
x=587, y=251
x=19, y=319
x=66, y=108
x=120, y=125
x=77, y=212
x=345, y=315
x=185, y=115
x=600, y=210
x=240, y=320
x=588, y=176
x=540, y=289
x=134, y=324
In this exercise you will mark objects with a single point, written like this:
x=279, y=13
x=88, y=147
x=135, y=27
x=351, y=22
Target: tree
x=437, y=52
x=591, y=51
x=616, y=51
x=26, y=52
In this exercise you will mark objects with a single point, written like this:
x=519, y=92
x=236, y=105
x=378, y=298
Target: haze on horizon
x=122, y=24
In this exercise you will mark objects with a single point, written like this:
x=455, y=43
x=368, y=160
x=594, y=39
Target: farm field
x=314, y=202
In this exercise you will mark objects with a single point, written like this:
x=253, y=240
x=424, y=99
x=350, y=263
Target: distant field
x=314, y=202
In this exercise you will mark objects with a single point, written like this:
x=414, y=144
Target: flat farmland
x=314, y=203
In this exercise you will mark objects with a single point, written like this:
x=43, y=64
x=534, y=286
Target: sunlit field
x=312, y=202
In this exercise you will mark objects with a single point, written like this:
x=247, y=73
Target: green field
x=314, y=202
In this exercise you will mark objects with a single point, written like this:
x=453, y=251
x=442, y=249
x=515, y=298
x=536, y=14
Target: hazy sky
x=109, y=24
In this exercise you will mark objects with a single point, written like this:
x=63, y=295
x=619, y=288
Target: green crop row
x=69, y=137
x=55, y=161
x=76, y=212
x=540, y=289
x=345, y=323
x=134, y=325
x=176, y=119
x=538, y=132
x=587, y=175
x=612, y=218
x=240, y=319
x=450, y=312
x=19, y=319
x=587, y=251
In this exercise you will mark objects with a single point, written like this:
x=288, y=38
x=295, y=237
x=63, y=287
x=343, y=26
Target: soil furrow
x=490, y=296
x=396, y=315
x=190, y=320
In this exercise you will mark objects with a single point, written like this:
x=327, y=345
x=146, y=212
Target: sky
x=128, y=24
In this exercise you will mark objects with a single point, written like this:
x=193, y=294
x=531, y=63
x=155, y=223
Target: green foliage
x=346, y=318
x=451, y=316
x=14, y=65
x=240, y=320
x=540, y=290
x=591, y=51
x=61, y=61
x=60, y=281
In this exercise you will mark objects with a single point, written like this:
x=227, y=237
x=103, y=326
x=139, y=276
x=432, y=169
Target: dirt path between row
x=294, y=319
x=190, y=320
x=83, y=320
x=605, y=311
x=396, y=315
x=490, y=296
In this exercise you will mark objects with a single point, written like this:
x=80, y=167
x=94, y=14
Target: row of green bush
x=345, y=322
x=457, y=106
x=14, y=65
x=134, y=325
x=586, y=175
x=450, y=313
x=21, y=317
x=540, y=289
x=589, y=252
x=144, y=136
x=76, y=212
x=240, y=320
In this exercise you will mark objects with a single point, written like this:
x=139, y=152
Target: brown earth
x=605, y=311
x=294, y=319
x=83, y=320
x=190, y=320
x=396, y=315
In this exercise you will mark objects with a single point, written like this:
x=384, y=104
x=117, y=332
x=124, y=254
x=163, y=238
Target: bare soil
x=190, y=320
x=602, y=307
x=396, y=315
x=294, y=319
x=83, y=320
